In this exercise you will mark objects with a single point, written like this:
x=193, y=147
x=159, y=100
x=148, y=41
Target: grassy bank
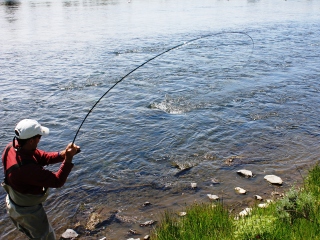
x=295, y=216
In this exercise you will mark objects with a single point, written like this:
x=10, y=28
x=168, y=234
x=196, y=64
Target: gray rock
x=245, y=173
x=69, y=233
x=273, y=179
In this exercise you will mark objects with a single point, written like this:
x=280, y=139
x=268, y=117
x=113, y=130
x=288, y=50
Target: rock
x=245, y=173
x=133, y=239
x=93, y=221
x=257, y=197
x=212, y=197
x=133, y=231
x=240, y=190
x=69, y=233
x=263, y=205
x=181, y=214
x=183, y=165
x=146, y=237
x=273, y=179
x=146, y=204
x=193, y=185
x=233, y=159
x=215, y=181
x=104, y=238
x=147, y=223
x=245, y=212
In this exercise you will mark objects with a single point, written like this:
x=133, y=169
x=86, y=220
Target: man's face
x=33, y=142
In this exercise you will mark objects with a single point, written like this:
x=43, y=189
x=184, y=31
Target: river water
x=217, y=104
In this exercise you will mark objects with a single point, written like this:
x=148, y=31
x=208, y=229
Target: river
x=244, y=95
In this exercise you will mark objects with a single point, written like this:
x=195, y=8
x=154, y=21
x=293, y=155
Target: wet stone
x=146, y=204
x=215, y=181
x=93, y=221
x=245, y=173
x=133, y=232
x=240, y=190
x=69, y=234
x=273, y=179
x=257, y=197
x=213, y=197
x=147, y=223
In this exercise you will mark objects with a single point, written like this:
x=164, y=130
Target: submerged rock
x=273, y=179
x=233, y=160
x=69, y=234
x=215, y=181
x=240, y=190
x=245, y=173
x=94, y=220
x=147, y=223
x=193, y=185
x=184, y=165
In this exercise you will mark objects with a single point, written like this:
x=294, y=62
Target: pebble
x=257, y=197
x=263, y=205
x=273, y=179
x=69, y=233
x=134, y=232
x=146, y=204
x=245, y=173
x=212, y=197
x=181, y=214
x=245, y=212
x=215, y=181
x=193, y=185
x=240, y=190
x=147, y=223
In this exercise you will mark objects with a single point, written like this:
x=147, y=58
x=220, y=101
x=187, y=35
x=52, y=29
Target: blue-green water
x=199, y=104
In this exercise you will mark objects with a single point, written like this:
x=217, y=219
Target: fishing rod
x=149, y=60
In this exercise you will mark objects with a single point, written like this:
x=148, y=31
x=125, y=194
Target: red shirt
x=31, y=178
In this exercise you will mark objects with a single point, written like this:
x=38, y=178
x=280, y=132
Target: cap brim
x=44, y=131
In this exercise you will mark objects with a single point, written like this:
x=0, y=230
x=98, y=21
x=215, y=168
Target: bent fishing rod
x=149, y=60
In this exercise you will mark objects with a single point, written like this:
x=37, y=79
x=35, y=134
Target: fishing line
x=149, y=60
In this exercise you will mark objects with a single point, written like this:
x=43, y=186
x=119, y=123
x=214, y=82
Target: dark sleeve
x=36, y=175
x=46, y=158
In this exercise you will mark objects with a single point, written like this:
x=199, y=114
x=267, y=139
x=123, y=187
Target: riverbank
x=293, y=216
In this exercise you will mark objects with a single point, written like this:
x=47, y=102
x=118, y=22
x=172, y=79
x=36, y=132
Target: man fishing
x=27, y=182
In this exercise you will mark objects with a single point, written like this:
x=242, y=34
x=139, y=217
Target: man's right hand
x=70, y=151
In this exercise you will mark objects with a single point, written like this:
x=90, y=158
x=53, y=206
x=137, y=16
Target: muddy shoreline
x=95, y=221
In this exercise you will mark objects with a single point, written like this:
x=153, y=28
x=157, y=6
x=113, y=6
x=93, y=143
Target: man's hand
x=70, y=151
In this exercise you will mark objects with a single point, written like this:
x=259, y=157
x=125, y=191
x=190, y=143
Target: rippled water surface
x=217, y=104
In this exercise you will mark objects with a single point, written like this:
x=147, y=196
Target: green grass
x=294, y=217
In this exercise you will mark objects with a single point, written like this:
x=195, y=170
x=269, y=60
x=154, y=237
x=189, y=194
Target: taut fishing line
x=149, y=60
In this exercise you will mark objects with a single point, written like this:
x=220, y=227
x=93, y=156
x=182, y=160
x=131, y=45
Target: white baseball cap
x=28, y=128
